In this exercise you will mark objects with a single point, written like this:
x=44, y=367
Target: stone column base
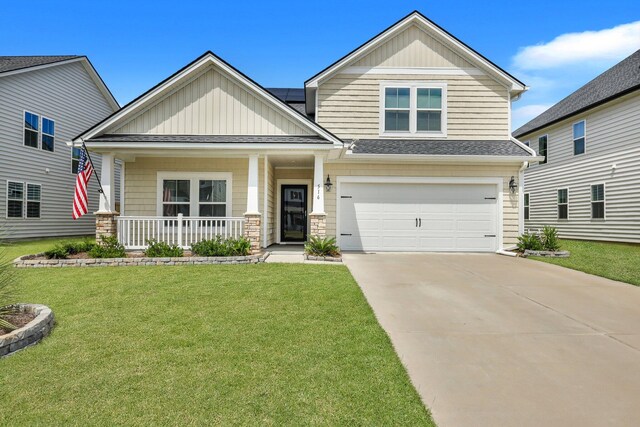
x=252, y=231
x=318, y=225
x=106, y=224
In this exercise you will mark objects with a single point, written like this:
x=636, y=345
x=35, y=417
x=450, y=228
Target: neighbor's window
x=527, y=143
x=48, y=133
x=33, y=200
x=176, y=197
x=414, y=109
x=31, y=122
x=75, y=159
x=542, y=148
x=526, y=206
x=15, y=199
x=597, y=201
x=579, y=141
x=563, y=203
x=213, y=198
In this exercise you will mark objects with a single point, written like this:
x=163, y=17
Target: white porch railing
x=183, y=231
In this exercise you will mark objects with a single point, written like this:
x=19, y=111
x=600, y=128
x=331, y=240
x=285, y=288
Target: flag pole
x=100, y=190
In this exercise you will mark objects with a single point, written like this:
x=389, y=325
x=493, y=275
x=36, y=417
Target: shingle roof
x=287, y=94
x=622, y=78
x=12, y=63
x=439, y=147
x=217, y=139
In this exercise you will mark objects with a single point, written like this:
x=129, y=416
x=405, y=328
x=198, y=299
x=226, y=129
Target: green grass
x=617, y=261
x=18, y=248
x=267, y=344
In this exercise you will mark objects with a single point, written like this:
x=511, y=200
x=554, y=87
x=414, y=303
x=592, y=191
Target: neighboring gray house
x=589, y=185
x=45, y=101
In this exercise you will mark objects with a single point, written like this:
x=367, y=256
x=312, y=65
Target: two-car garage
x=418, y=216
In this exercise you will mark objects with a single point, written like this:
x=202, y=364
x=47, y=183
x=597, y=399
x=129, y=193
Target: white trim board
x=497, y=181
x=291, y=181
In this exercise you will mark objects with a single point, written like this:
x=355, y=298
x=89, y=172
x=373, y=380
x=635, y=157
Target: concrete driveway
x=492, y=340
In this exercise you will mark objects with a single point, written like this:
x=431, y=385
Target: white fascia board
x=441, y=159
x=106, y=146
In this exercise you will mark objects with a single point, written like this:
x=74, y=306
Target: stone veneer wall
x=252, y=231
x=32, y=333
x=318, y=225
x=28, y=261
x=106, y=224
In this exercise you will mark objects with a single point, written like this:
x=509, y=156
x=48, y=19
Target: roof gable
x=433, y=30
x=208, y=96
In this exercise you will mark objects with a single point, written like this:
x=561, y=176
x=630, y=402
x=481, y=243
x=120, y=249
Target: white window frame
x=24, y=128
x=194, y=191
x=25, y=200
x=558, y=204
x=604, y=201
x=546, y=153
x=526, y=204
x=413, y=87
x=573, y=138
x=42, y=133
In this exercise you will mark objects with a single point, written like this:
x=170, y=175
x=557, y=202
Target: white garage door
x=418, y=217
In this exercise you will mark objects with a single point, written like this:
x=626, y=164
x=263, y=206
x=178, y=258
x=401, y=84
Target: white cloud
x=611, y=44
x=522, y=115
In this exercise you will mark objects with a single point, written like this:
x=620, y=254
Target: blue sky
x=554, y=47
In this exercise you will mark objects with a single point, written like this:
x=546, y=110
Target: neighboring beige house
x=401, y=145
x=589, y=185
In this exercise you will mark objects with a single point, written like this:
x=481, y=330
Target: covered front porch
x=268, y=198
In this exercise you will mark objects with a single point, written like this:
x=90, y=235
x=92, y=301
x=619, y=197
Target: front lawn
x=617, y=261
x=266, y=344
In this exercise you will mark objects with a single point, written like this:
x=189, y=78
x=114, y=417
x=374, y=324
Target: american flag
x=85, y=170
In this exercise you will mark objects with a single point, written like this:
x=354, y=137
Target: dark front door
x=293, y=218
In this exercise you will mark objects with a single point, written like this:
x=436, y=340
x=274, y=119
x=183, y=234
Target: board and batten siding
x=211, y=103
x=612, y=138
x=510, y=201
x=66, y=94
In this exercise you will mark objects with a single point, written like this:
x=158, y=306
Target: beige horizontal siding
x=477, y=106
x=510, y=210
x=212, y=103
x=613, y=137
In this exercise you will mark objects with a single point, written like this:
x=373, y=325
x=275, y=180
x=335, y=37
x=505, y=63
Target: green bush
x=322, y=246
x=222, y=247
x=529, y=241
x=550, y=240
x=57, y=252
x=63, y=250
x=109, y=247
x=162, y=249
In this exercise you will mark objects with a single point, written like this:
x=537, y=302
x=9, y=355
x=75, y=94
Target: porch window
x=176, y=197
x=213, y=198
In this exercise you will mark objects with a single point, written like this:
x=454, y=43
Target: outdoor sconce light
x=328, y=184
x=513, y=186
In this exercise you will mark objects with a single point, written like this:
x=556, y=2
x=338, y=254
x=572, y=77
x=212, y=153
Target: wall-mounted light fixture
x=328, y=184
x=513, y=185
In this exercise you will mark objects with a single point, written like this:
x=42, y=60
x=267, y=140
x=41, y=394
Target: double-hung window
x=176, y=197
x=526, y=206
x=195, y=194
x=48, y=133
x=75, y=159
x=416, y=109
x=31, y=129
x=213, y=197
x=23, y=200
x=542, y=148
x=579, y=137
x=597, y=201
x=563, y=203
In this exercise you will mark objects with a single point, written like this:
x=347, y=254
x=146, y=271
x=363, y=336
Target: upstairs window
x=48, y=133
x=597, y=201
x=563, y=203
x=413, y=109
x=579, y=138
x=542, y=148
x=31, y=126
x=527, y=143
x=75, y=159
x=526, y=206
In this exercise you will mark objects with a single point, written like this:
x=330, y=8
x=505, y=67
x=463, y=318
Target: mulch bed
x=18, y=320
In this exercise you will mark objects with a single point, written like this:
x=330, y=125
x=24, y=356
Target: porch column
x=253, y=217
x=318, y=217
x=106, y=216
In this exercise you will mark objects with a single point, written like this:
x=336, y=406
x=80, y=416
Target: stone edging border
x=29, y=261
x=547, y=254
x=322, y=258
x=31, y=333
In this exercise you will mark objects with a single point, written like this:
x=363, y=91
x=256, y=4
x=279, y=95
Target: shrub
x=322, y=246
x=222, y=247
x=550, y=240
x=529, y=241
x=162, y=249
x=63, y=250
x=58, y=252
x=109, y=247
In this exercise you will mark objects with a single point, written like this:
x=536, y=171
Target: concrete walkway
x=490, y=340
